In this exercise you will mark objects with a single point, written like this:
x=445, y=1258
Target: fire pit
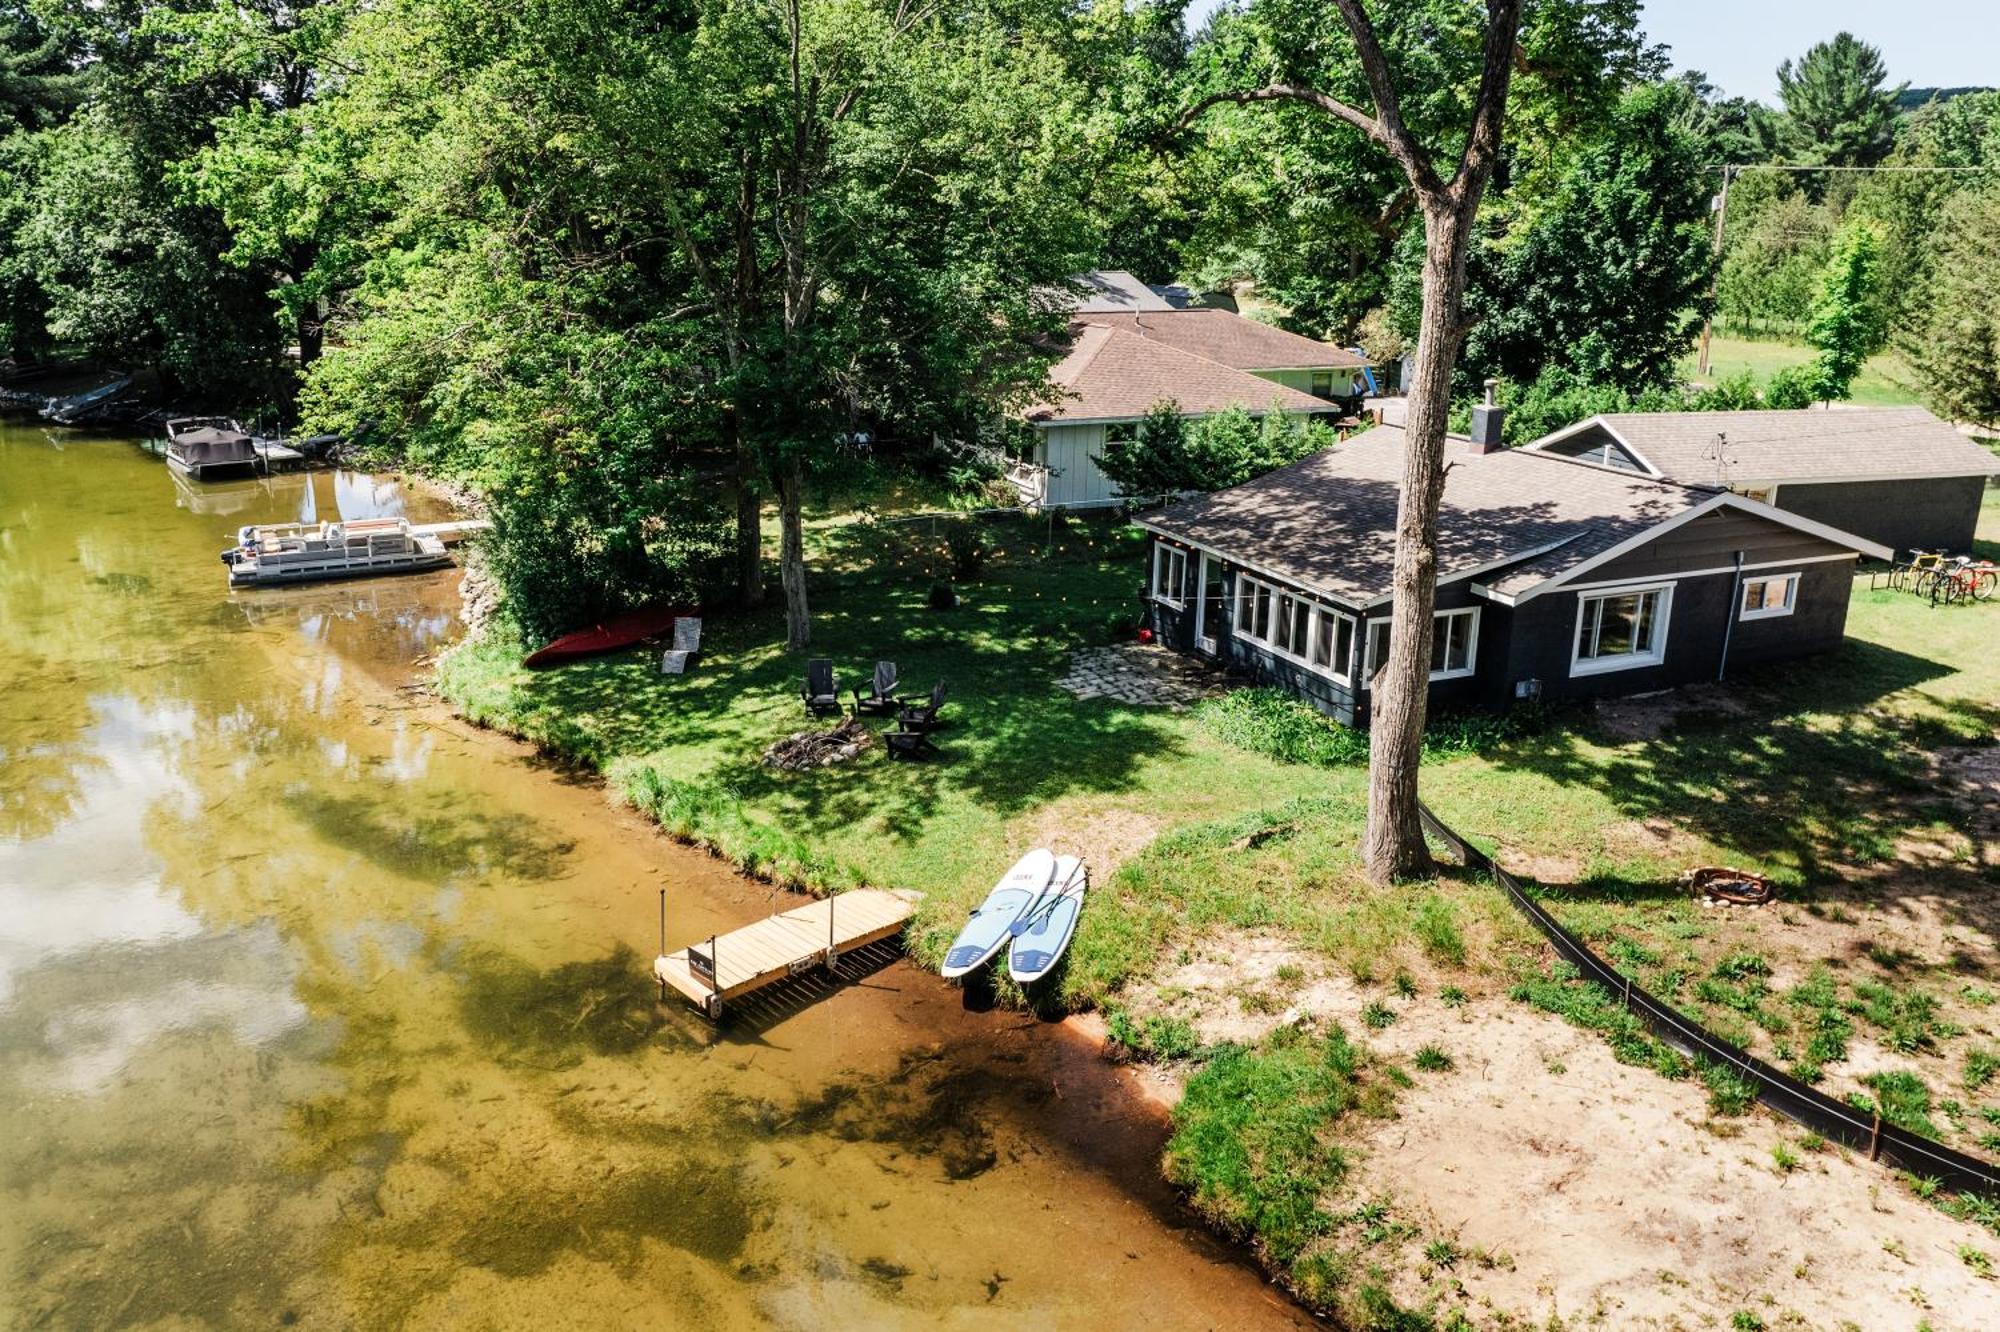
x=817, y=749
x=1728, y=885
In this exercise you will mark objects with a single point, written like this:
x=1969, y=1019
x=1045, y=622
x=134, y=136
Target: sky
x=1739, y=43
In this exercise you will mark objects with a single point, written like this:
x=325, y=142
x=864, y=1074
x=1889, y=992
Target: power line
x=1786, y=166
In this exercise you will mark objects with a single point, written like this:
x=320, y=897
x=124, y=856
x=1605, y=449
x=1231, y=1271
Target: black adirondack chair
x=821, y=698
x=909, y=744
x=882, y=701
x=923, y=717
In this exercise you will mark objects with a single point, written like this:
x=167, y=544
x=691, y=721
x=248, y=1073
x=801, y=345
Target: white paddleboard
x=1042, y=934
x=985, y=933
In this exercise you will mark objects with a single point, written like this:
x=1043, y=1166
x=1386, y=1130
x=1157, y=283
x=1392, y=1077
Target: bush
x=970, y=549
x=1273, y=723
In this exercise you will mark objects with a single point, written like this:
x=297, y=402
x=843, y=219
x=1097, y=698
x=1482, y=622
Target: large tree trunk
x=1395, y=846
x=311, y=333
x=749, y=542
x=749, y=520
x=792, y=555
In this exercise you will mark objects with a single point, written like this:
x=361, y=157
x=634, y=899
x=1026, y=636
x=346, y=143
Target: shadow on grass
x=1013, y=738
x=1805, y=768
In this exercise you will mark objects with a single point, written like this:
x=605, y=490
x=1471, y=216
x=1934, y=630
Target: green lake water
x=321, y=1009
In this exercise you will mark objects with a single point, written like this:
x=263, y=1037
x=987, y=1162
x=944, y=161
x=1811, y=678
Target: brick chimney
x=1487, y=418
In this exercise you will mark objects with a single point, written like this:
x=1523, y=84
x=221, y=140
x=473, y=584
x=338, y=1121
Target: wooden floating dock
x=450, y=533
x=779, y=947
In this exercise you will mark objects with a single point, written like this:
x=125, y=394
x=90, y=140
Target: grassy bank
x=1239, y=820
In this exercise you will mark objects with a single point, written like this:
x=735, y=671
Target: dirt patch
x=1105, y=839
x=1571, y=1186
x=1648, y=716
x=1972, y=775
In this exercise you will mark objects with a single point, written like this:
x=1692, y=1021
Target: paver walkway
x=1143, y=675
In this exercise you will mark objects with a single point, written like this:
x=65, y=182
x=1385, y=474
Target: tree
x=1955, y=345
x=1449, y=206
x=1168, y=454
x=39, y=80
x=1837, y=113
x=1846, y=326
x=1608, y=278
x=869, y=195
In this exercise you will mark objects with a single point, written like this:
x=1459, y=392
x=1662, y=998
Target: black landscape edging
x=1831, y=1119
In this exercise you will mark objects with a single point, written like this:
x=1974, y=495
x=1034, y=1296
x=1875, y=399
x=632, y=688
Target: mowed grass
x=1885, y=381
x=1810, y=765
x=1025, y=763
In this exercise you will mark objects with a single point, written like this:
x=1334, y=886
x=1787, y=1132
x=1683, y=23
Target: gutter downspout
x=1729, y=625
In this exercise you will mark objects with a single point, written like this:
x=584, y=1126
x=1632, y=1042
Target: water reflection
x=318, y=1009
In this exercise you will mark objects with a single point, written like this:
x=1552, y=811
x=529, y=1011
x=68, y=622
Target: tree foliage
x=1846, y=326
x=1166, y=453
x=1955, y=343
x=1837, y=110
x=1608, y=278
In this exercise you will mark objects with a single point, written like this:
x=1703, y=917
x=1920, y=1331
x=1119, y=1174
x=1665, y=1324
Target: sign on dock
x=778, y=947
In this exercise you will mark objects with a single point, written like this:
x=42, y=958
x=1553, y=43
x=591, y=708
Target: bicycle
x=1919, y=573
x=1963, y=581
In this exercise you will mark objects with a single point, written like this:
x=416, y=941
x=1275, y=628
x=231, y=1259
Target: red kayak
x=617, y=632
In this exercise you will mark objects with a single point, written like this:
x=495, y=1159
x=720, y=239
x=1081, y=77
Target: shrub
x=1377, y=1016
x=1433, y=1059
x=1729, y=1091
x=1273, y=723
x=970, y=548
x=1154, y=1037
x=1902, y=1099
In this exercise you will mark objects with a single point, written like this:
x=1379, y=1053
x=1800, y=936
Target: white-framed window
x=1621, y=630
x=1454, y=645
x=1294, y=626
x=1169, y=574
x=1768, y=596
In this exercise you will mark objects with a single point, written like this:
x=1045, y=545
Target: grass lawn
x=1878, y=973
x=1885, y=381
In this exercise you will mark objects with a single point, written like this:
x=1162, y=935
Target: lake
x=321, y=1009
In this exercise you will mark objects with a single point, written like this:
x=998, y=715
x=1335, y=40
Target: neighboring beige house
x=1133, y=347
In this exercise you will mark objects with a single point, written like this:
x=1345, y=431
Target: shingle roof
x=1227, y=337
x=1111, y=291
x=1110, y=374
x=1328, y=522
x=1778, y=446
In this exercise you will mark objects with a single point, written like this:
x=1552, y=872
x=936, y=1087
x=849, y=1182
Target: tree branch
x=1482, y=145
x=1395, y=135
x=1287, y=92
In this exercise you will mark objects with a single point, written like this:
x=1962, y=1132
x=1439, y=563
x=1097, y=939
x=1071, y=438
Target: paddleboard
x=985, y=933
x=1041, y=935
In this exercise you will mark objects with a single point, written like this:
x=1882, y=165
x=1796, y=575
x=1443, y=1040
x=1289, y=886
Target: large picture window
x=1294, y=626
x=1767, y=598
x=1620, y=631
x=1454, y=644
x=1170, y=573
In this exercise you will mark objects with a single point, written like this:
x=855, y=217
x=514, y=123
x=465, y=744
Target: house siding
x=1710, y=542
x=1069, y=452
x=1698, y=620
x=1535, y=640
x=1931, y=513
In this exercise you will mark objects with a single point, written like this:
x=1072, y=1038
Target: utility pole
x=1715, y=278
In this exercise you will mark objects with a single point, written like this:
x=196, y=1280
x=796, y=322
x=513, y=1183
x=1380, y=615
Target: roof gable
x=1110, y=374
x=1813, y=445
x=1229, y=338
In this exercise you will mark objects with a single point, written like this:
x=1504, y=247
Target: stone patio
x=1141, y=674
